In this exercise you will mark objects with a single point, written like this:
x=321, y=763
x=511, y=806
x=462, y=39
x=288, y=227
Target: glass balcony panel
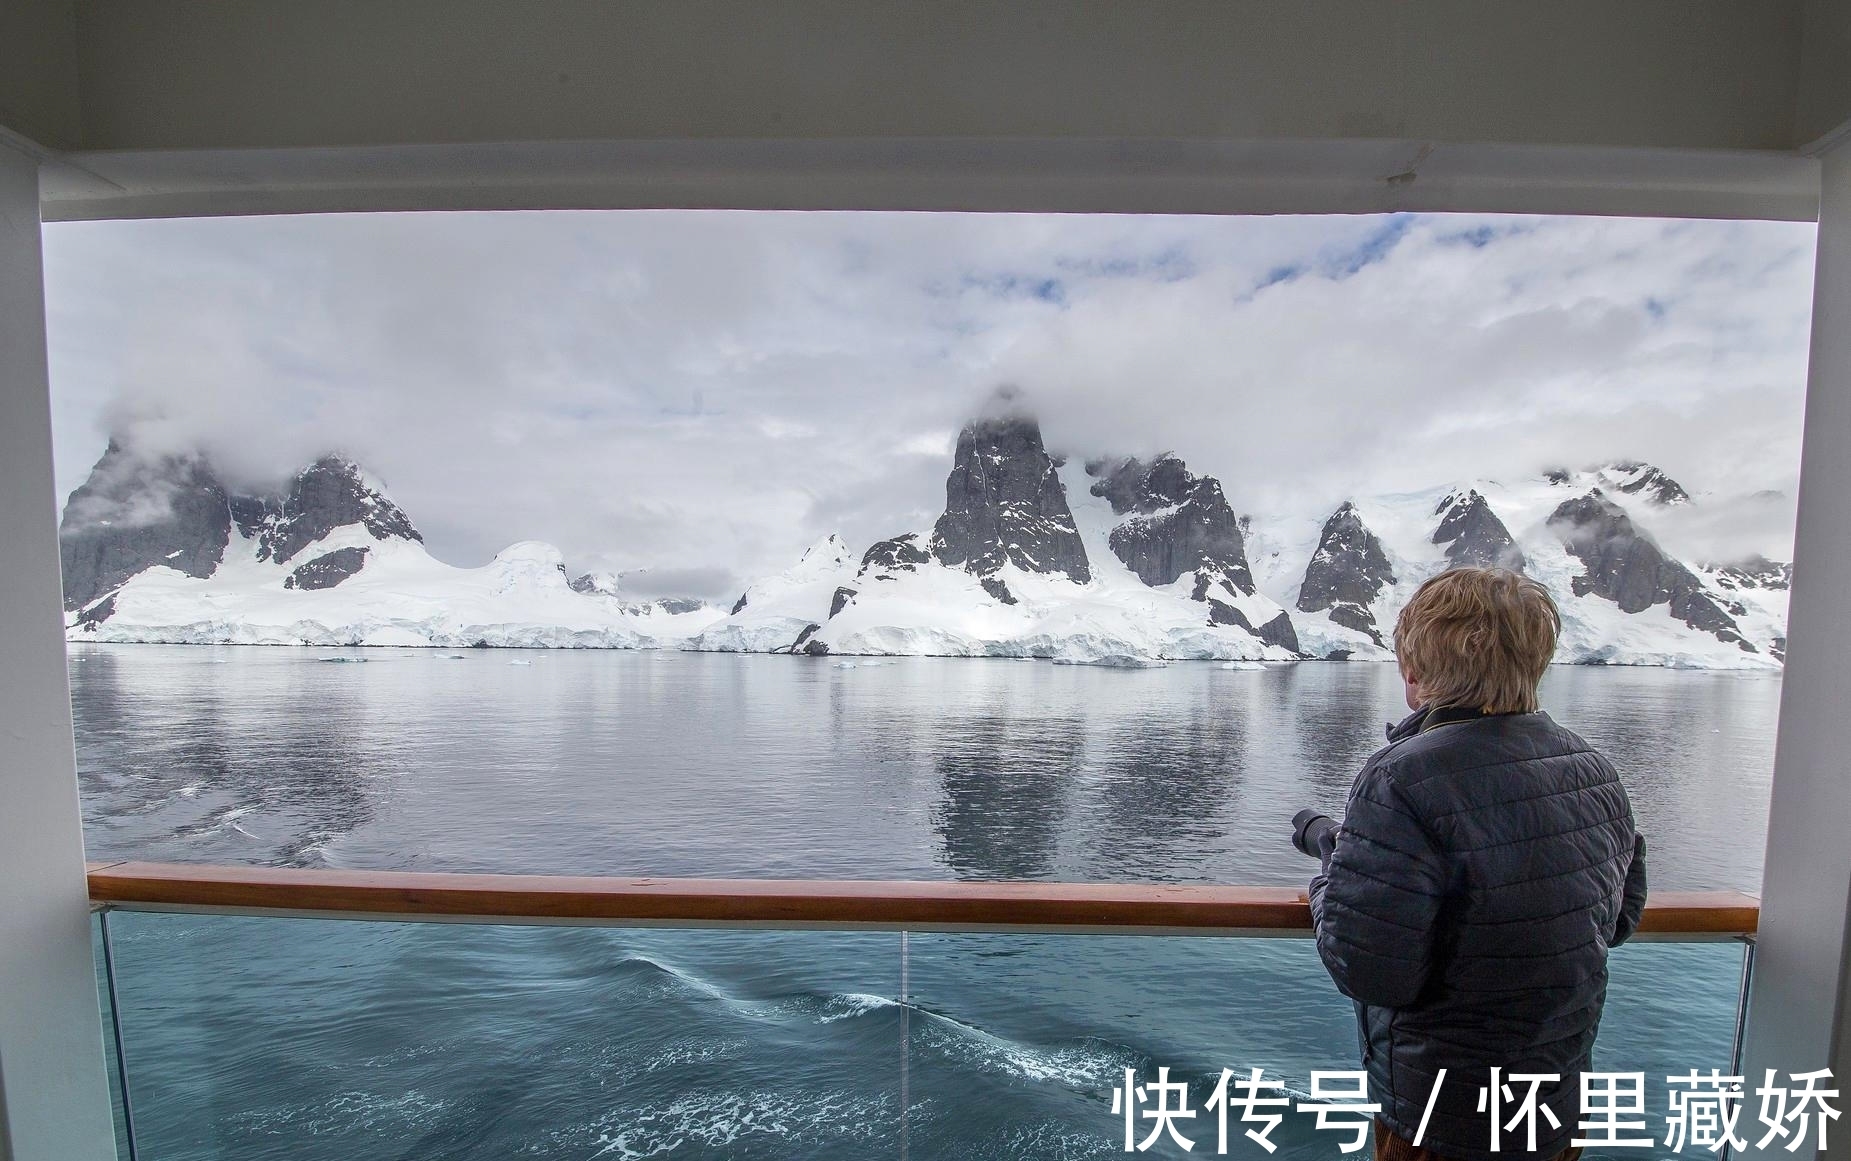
x=1017, y=1041
x=255, y=1037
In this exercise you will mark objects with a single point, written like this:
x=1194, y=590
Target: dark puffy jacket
x=1484, y=866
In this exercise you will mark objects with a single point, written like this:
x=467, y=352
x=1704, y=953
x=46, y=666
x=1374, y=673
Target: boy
x=1486, y=861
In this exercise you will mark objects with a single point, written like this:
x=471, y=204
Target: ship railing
x=867, y=904
x=173, y=984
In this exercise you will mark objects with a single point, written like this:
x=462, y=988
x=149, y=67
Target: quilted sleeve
x=1376, y=906
x=1632, y=903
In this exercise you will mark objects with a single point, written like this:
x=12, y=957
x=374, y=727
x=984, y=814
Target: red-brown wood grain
x=798, y=903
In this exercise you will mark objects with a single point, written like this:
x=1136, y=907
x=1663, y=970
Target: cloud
x=704, y=394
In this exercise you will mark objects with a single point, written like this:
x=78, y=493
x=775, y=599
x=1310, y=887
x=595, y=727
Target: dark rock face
x=738, y=605
x=1757, y=572
x=1637, y=479
x=132, y=514
x=1347, y=573
x=897, y=554
x=326, y=495
x=1558, y=477
x=604, y=584
x=252, y=513
x=1473, y=534
x=594, y=584
x=1131, y=485
x=1278, y=631
x=843, y=598
x=327, y=570
x=1177, y=522
x=1004, y=503
x=96, y=614
x=997, y=589
x=806, y=642
x=1626, y=566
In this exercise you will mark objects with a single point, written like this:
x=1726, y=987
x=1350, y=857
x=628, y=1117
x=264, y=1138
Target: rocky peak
x=327, y=570
x=596, y=584
x=1756, y=572
x=1004, y=504
x=1640, y=479
x=1177, y=523
x=825, y=556
x=1131, y=485
x=1625, y=565
x=895, y=554
x=330, y=493
x=1347, y=572
x=135, y=512
x=606, y=585
x=1473, y=534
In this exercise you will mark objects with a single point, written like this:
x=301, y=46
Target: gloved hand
x=1314, y=834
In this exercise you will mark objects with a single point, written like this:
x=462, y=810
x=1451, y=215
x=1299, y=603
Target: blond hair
x=1478, y=638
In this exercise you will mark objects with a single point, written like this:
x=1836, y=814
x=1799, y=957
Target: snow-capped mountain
x=1116, y=560
x=780, y=613
x=160, y=550
x=608, y=586
x=1121, y=562
x=1623, y=598
x=1177, y=523
x=1628, y=477
x=1004, y=505
x=1347, y=574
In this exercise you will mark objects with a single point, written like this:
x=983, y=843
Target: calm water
x=259, y=1038
x=741, y=765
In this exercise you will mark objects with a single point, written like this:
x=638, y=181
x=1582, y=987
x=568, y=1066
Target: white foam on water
x=719, y=1119
x=348, y=1112
x=1055, y=1141
x=851, y=1004
x=684, y=1052
x=1084, y=1066
x=764, y=1011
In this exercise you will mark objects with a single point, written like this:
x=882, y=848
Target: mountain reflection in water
x=739, y=765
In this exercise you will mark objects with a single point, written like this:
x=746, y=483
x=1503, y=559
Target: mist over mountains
x=1106, y=560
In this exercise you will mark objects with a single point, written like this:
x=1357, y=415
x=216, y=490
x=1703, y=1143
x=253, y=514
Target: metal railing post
x=115, y=1030
x=1741, y=1005
x=906, y=1050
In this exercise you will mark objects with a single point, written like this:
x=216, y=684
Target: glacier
x=1043, y=574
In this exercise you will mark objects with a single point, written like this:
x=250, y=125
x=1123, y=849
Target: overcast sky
x=702, y=394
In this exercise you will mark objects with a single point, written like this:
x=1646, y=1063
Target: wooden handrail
x=1149, y=908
